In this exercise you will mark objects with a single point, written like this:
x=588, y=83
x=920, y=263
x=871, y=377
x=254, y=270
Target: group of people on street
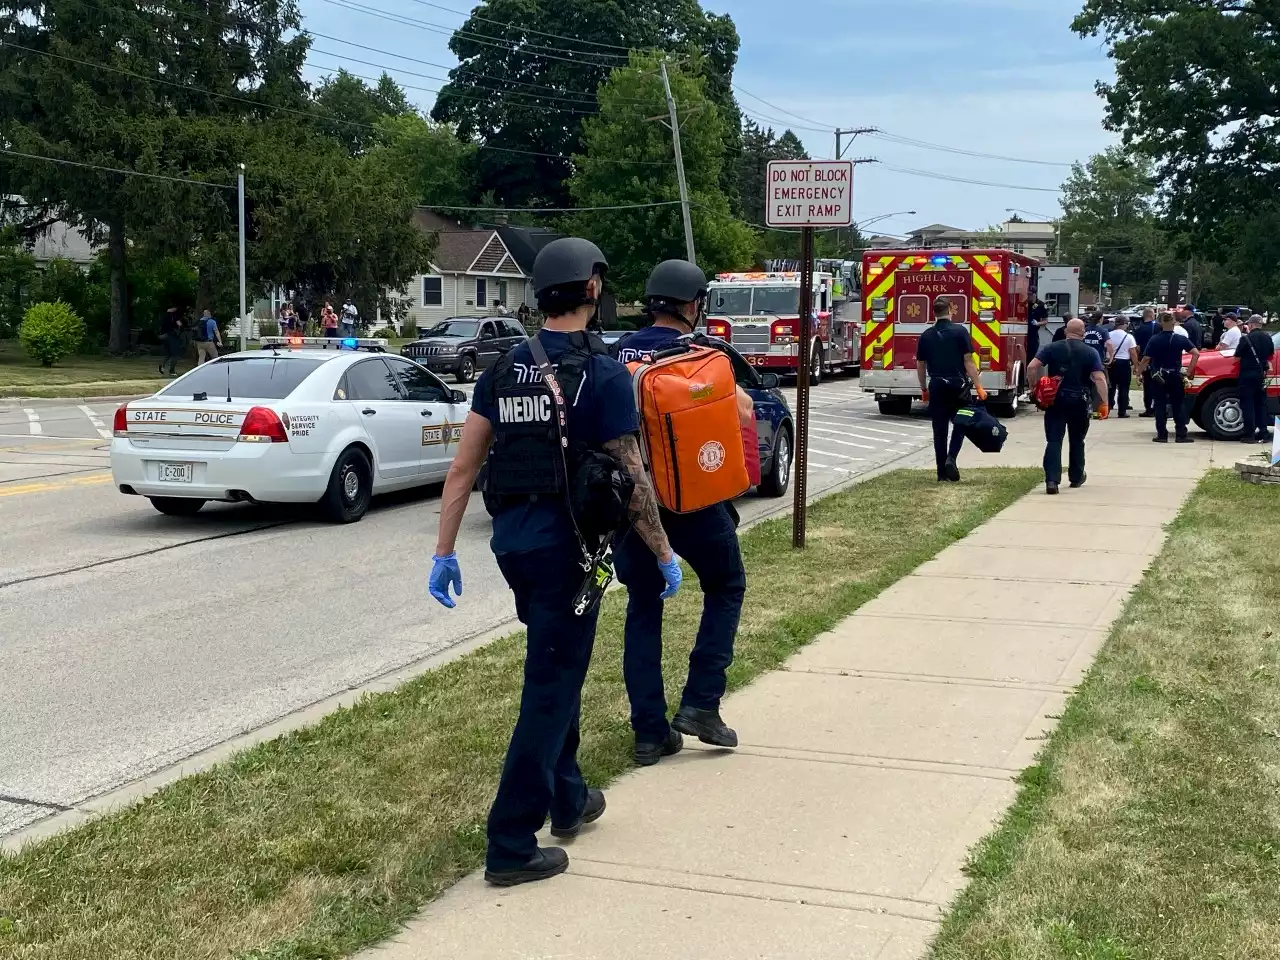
x=204, y=332
x=567, y=488
x=1090, y=370
x=331, y=322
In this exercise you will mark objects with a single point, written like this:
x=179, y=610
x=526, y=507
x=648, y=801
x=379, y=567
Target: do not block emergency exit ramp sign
x=809, y=193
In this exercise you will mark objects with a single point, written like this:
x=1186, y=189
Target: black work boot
x=591, y=812
x=1077, y=484
x=1051, y=488
x=547, y=862
x=647, y=754
x=951, y=470
x=706, y=725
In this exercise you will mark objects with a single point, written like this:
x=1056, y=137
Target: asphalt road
x=130, y=640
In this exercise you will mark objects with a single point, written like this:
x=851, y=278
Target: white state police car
x=326, y=421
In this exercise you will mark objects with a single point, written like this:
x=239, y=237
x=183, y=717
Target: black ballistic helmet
x=674, y=283
x=569, y=260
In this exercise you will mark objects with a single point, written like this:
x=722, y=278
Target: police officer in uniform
x=1142, y=336
x=541, y=440
x=708, y=539
x=945, y=357
x=1163, y=358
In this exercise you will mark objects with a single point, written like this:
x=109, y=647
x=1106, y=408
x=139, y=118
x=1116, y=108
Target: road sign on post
x=805, y=194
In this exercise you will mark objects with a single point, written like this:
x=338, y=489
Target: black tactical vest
x=526, y=460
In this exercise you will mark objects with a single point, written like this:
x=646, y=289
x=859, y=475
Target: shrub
x=268, y=328
x=50, y=331
x=386, y=333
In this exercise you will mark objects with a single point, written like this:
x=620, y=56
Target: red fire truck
x=759, y=313
x=989, y=292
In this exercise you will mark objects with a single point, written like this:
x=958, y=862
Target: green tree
x=17, y=273
x=1109, y=213
x=523, y=91
x=759, y=146
x=115, y=85
x=637, y=239
x=357, y=108
x=438, y=165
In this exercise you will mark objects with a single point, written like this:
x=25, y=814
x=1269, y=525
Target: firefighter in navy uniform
x=557, y=451
x=1163, y=358
x=944, y=362
x=675, y=296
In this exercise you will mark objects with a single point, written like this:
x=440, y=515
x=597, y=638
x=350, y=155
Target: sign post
x=804, y=195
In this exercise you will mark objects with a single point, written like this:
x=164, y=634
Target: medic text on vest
x=524, y=409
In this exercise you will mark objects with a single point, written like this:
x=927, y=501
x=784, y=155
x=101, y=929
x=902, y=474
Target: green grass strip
x=1150, y=825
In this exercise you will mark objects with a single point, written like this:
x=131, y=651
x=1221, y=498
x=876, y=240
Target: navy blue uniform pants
x=944, y=401
x=1253, y=405
x=1169, y=392
x=540, y=776
x=1070, y=420
x=708, y=541
x=1148, y=393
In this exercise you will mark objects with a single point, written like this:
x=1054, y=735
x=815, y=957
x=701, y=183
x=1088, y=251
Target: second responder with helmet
x=675, y=296
x=546, y=415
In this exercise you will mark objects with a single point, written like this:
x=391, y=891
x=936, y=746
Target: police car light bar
x=325, y=343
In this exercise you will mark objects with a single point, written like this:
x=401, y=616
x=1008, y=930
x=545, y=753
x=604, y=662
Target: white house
x=471, y=272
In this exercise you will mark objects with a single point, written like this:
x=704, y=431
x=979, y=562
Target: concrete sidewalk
x=869, y=764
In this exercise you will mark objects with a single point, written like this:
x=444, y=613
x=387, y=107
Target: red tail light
x=120, y=425
x=719, y=328
x=263, y=425
x=784, y=331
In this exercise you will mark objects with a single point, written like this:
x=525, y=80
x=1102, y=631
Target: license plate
x=176, y=472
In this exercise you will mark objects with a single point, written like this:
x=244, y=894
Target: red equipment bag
x=1046, y=391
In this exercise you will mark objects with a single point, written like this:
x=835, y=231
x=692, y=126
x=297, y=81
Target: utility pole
x=690, y=253
x=244, y=319
x=1101, y=298
x=852, y=135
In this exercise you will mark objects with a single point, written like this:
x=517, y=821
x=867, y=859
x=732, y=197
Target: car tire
x=815, y=365
x=894, y=406
x=177, y=506
x=776, y=481
x=350, y=488
x=1221, y=416
x=466, y=371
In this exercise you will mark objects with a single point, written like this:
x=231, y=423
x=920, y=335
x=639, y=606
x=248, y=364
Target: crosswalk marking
x=33, y=421
x=98, y=425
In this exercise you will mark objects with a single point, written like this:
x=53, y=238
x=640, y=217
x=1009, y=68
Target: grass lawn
x=1150, y=826
x=99, y=376
x=322, y=841
x=93, y=376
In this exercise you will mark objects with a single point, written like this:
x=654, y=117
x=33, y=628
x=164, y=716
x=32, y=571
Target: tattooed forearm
x=643, y=509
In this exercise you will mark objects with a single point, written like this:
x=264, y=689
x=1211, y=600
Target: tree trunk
x=118, y=340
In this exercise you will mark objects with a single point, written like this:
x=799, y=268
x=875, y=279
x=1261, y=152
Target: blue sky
x=1004, y=77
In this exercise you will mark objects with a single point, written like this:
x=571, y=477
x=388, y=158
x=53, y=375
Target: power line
x=619, y=206
x=541, y=33
x=932, y=175
x=313, y=116
x=926, y=145
x=120, y=170
x=438, y=28
x=774, y=106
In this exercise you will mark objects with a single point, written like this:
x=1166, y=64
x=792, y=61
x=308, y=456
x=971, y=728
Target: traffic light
x=1106, y=286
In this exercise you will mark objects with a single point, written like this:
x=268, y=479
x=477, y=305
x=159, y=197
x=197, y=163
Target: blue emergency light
x=941, y=261
x=350, y=343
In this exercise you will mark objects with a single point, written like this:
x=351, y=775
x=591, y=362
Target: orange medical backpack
x=689, y=428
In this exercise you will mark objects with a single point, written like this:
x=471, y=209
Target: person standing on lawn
x=171, y=340
x=1081, y=371
x=947, y=372
x=208, y=339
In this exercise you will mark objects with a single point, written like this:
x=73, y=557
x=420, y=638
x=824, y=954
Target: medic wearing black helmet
x=541, y=439
x=675, y=296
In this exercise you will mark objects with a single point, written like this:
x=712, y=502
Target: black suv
x=464, y=345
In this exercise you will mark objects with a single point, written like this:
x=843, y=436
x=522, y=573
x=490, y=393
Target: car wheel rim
x=466, y=369
x=784, y=460
x=350, y=484
x=1228, y=416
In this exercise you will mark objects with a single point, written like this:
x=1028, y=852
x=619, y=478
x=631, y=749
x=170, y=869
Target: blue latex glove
x=445, y=571
x=674, y=576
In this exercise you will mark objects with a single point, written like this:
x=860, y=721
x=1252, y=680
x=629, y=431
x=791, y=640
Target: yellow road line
x=89, y=480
